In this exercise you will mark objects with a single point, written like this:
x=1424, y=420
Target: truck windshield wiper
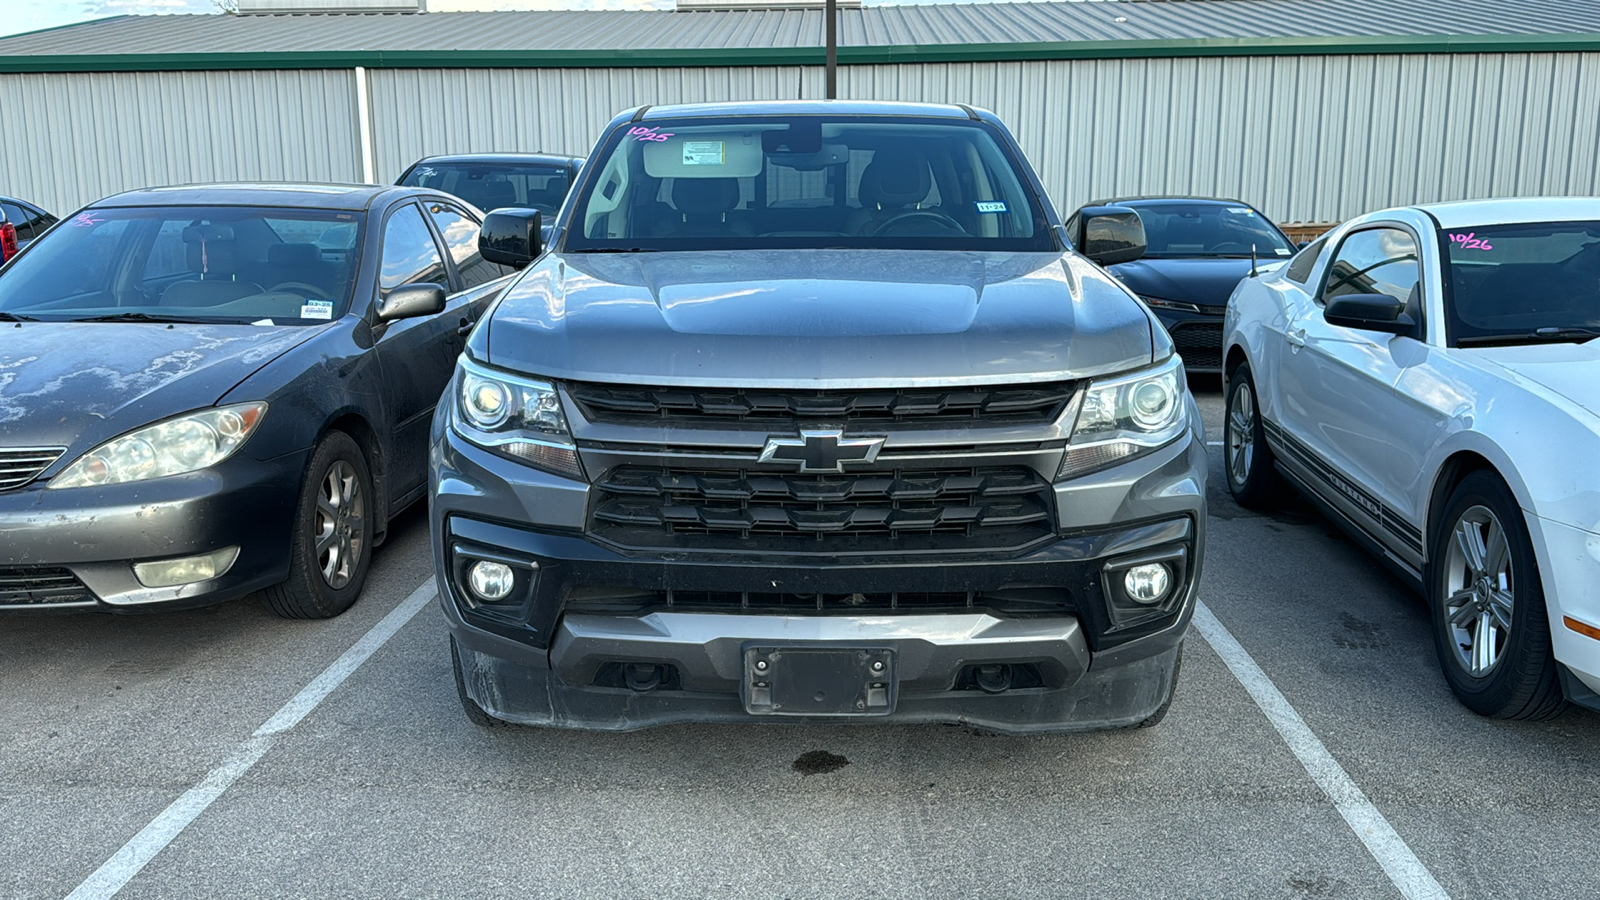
x=1536, y=336
x=132, y=317
x=13, y=317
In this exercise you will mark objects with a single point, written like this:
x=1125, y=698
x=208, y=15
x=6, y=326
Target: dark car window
x=491, y=186
x=203, y=264
x=1507, y=281
x=1374, y=261
x=30, y=223
x=1180, y=229
x=807, y=181
x=461, y=239
x=410, y=254
x=1300, y=267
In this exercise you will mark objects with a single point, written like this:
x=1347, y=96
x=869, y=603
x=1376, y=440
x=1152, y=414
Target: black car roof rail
x=968, y=110
x=640, y=114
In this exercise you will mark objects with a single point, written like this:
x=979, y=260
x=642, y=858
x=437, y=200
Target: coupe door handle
x=1297, y=337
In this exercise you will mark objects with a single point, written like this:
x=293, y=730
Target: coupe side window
x=1300, y=267
x=1374, y=261
x=410, y=254
x=461, y=238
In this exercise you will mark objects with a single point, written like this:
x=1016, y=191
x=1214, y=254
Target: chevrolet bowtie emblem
x=821, y=451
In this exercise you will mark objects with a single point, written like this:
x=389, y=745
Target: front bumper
x=1197, y=337
x=85, y=541
x=533, y=659
x=1570, y=562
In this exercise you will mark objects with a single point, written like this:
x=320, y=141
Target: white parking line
x=153, y=838
x=1407, y=872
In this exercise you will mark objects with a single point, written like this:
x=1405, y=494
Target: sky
x=17, y=16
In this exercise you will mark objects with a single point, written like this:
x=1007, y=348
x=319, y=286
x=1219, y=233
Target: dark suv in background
x=493, y=181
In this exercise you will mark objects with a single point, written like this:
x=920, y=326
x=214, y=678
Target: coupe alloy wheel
x=1241, y=435
x=1479, y=590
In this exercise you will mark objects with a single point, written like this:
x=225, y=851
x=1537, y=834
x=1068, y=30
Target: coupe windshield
x=490, y=186
x=1176, y=230
x=195, y=264
x=1527, y=281
x=807, y=182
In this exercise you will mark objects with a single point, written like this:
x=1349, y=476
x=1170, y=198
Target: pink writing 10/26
x=1471, y=241
x=648, y=134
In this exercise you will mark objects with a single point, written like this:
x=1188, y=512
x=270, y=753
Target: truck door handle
x=1297, y=337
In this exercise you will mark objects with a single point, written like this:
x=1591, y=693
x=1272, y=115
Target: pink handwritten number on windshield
x=648, y=134
x=1470, y=241
x=86, y=220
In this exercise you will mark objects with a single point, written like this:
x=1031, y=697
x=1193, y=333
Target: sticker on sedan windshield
x=1470, y=241
x=1281, y=251
x=1242, y=210
x=703, y=153
x=991, y=206
x=317, y=309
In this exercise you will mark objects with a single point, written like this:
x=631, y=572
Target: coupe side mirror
x=1370, y=312
x=411, y=300
x=512, y=237
x=1110, y=234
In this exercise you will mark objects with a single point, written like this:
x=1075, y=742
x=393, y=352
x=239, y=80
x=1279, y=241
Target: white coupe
x=1429, y=377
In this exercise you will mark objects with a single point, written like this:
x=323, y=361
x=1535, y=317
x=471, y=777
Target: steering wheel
x=927, y=215
x=1236, y=247
x=303, y=288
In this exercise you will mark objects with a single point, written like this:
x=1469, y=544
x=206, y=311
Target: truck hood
x=1570, y=370
x=816, y=318
x=62, y=382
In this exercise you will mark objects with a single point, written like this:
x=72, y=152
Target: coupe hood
x=815, y=318
x=1206, y=282
x=69, y=381
x=1571, y=370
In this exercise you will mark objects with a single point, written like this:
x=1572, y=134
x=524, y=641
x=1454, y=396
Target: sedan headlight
x=514, y=416
x=186, y=443
x=1124, y=417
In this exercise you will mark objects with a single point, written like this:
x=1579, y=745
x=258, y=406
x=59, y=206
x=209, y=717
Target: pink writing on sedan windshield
x=86, y=220
x=1470, y=241
x=648, y=134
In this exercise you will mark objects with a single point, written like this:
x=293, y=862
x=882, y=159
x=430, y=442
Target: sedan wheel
x=339, y=526
x=332, y=544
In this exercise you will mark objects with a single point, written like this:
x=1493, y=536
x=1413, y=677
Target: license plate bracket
x=819, y=681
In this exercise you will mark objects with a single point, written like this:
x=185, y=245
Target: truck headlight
x=1124, y=417
x=514, y=416
x=182, y=444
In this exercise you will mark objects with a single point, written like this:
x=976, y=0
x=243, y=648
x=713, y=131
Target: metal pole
x=833, y=49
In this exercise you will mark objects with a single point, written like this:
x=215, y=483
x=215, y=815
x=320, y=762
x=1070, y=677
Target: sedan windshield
x=1523, y=282
x=1177, y=230
x=807, y=182
x=491, y=186
x=192, y=264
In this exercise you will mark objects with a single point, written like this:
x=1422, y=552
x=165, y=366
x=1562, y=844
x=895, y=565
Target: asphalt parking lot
x=114, y=732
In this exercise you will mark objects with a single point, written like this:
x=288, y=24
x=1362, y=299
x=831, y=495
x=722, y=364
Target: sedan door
x=1335, y=387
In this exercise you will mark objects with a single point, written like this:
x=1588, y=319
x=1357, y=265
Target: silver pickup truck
x=811, y=411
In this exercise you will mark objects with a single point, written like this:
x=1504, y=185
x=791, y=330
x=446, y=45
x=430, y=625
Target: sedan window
x=461, y=239
x=410, y=254
x=1374, y=261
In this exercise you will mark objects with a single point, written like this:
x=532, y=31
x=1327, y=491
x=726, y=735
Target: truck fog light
x=491, y=581
x=188, y=570
x=1148, y=583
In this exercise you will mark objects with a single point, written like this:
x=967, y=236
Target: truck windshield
x=193, y=264
x=807, y=182
x=1528, y=281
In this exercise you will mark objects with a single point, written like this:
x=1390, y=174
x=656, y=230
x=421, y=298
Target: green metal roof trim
x=792, y=56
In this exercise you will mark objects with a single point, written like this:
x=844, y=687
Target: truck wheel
x=475, y=713
x=1489, y=620
x=1161, y=711
x=1253, y=479
x=332, y=544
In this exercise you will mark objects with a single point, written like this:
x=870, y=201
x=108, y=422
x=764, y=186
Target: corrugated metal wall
x=67, y=139
x=1308, y=138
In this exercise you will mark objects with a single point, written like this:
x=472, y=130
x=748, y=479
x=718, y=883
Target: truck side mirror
x=512, y=237
x=1110, y=234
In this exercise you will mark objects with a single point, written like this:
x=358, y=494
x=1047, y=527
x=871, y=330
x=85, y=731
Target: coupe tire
x=1247, y=461
x=475, y=713
x=332, y=544
x=1489, y=621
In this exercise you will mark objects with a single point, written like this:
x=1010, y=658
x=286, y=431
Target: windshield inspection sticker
x=1470, y=241
x=1242, y=210
x=703, y=153
x=991, y=206
x=317, y=309
x=1282, y=251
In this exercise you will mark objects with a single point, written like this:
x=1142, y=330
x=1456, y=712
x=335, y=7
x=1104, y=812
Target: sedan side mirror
x=1110, y=234
x=409, y=301
x=512, y=237
x=1370, y=312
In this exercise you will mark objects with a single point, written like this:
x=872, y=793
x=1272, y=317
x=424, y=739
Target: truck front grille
x=904, y=509
x=40, y=586
x=1001, y=404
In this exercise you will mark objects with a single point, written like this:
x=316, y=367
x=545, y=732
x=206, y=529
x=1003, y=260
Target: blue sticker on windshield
x=991, y=206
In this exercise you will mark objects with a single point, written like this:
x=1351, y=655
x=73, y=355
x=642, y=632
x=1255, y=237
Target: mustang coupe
x=1430, y=377
x=213, y=390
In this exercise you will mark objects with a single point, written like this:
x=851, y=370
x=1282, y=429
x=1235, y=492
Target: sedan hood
x=62, y=382
x=1571, y=370
x=815, y=318
x=1205, y=282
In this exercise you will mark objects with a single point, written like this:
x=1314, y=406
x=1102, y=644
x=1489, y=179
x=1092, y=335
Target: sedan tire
x=1489, y=621
x=1247, y=461
x=332, y=545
